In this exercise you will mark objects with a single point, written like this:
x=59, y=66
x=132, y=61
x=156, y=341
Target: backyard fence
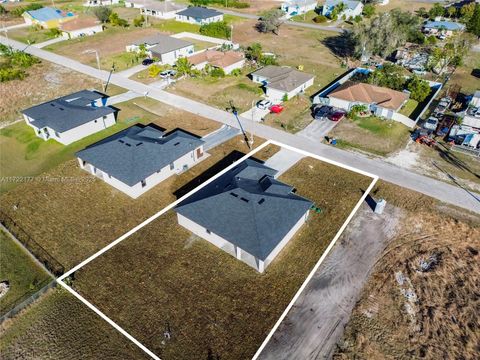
x=52, y=264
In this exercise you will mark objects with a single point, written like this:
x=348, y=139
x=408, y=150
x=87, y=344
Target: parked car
x=168, y=73
x=321, y=112
x=264, y=104
x=431, y=123
x=336, y=115
x=147, y=62
x=277, y=109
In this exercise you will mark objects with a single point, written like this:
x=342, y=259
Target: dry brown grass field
x=441, y=320
x=73, y=219
x=163, y=278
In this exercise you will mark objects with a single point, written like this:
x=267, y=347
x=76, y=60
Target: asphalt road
x=452, y=194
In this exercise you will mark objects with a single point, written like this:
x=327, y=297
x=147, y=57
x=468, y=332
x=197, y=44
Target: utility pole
x=304, y=10
x=91, y=51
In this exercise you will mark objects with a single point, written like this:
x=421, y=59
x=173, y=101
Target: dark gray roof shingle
x=283, y=78
x=248, y=207
x=199, y=12
x=135, y=153
x=68, y=112
x=163, y=43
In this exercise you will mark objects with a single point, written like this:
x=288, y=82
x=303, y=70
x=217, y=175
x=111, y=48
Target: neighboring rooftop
x=79, y=23
x=199, y=12
x=299, y=3
x=163, y=43
x=162, y=6
x=135, y=153
x=47, y=13
x=216, y=58
x=447, y=25
x=350, y=4
x=247, y=207
x=283, y=78
x=370, y=94
x=68, y=112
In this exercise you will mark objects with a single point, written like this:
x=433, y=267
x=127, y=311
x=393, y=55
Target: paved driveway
x=449, y=193
x=131, y=71
x=219, y=136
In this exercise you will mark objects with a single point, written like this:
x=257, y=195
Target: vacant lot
x=24, y=154
x=373, y=135
x=209, y=301
x=60, y=327
x=72, y=214
x=465, y=75
x=23, y=275
x=295, y=117
x=408, y=311
x=44, y=82
x=405, y=5
x=31, y=35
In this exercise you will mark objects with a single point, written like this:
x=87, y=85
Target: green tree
x=102, y=13
x=473, y=25
x=466, y=12
x=451, y=54
x=389, y=75
x=452, y=11
x=253, y=52
x=154, y=70
x=368, y=10
x=115, y=20
x=138, y=21
x=219, y=29
x=270, y=22
x=419, y=88
x=2, y=10
x=183, y=66
x=217, y=72
x=142, y=50
x=436, y=10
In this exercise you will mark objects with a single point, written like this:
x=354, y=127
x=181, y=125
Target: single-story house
x=445, y=28
x=298, y=7
x=199, y=15
x=246, y=212
x=140, y=157
x=71, y=117
x=47, y=17
x=162, y=9
x=167, y=49
x=281, y=81
x=352, y=8
x=92, y=3
x=381, y=101
x=80, y=27
x=137, y=4
x=226, y=60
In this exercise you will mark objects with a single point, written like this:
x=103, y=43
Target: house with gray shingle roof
x=246, y=212
x=279, y=81
x=140, y=157
x=71, y=117
x=163, y=47
x=199, y=15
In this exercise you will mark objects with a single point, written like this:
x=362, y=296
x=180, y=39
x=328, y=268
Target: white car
x=431, y=123
x=264, y=104
x=168, y=73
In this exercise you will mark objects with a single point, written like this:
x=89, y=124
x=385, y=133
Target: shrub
x=285, y=97
x=55, y=32
x=7, y=74
x=154, y=70
x=268, y=60
x=368, y=10
x=419, y=88
x=218, y=29
x=138, y=21
x=115, y=20
x=102, y=13
x=236, y=72
x=217, y=72
x=320, y=19
x=3, y=10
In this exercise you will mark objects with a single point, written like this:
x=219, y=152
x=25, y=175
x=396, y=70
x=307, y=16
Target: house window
x=144, y=183
x=172, y=166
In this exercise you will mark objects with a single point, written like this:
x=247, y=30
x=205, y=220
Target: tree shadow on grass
x=341, y=45
x=450, y=157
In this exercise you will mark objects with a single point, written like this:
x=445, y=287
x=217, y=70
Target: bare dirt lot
x=74, y=217
x=421, y=300
x=44, y=82
x=207, y=299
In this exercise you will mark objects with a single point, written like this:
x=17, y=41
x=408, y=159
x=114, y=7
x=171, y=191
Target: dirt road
x=317, y=320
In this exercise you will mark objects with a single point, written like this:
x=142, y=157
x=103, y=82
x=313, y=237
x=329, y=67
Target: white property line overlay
x=173, y=204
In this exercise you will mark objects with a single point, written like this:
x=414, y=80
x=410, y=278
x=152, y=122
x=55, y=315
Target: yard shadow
x=341, y=45
x=371, y=202
x=476, y=73
x=449, y=157
x=454, y=180
x=210, y=172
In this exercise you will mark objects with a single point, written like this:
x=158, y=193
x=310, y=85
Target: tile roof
x=247, y=207
x=68, y=112
x=283, y=78
x=163, y=43
x=135, y=153
x=216, y=58
x=370, y=94
x=199, y=12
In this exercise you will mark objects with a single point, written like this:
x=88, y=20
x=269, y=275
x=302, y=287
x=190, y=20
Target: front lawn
x=409, y=107
x=296, y=115
x=31, y=35
x=23, y=274
x=372, y=134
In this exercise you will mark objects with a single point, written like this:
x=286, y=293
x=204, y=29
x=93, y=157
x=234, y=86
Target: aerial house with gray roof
x=71, y=117
x=140, y=157
x=246, y=212
x=199, y=15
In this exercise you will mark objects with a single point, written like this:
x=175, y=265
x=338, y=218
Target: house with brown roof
x=282, y=81
x=79, y=27
x=381, y=101
x=226, y=60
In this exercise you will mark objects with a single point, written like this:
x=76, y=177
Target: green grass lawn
x=24, y=154
x=30, y=35
x=172, y=26
x=308, y=17
x=409, y=107
x=24, y=275
x=199, y=44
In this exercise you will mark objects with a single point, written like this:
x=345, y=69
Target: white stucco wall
x=133, y=5
x=75, y=134
x=277, y=95
x=342, y=104
x=237, y=65
x=192, y=20
x=171, y=57
x=159, y=14
x=181, y=164
x=83, y=32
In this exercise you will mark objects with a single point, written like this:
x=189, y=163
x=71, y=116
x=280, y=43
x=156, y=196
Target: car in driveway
x=431, y=123
x=336, y=115
x=264, y=104
x=168, y=73
x=147, y=62
x=276, y=109
x=321, y=112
